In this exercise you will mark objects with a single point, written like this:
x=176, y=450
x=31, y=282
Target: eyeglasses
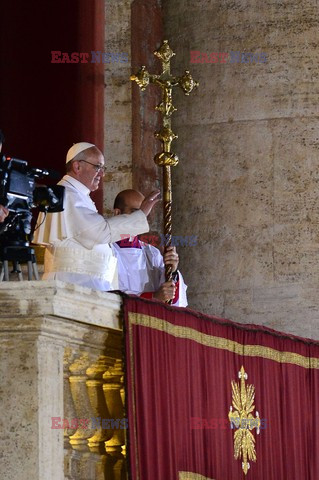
x=97, y=168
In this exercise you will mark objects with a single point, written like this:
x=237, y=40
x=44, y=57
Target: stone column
x=147, y=36
x=132, y=28
x=118, y=103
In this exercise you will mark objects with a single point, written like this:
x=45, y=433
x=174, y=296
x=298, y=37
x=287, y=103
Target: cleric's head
x=85, y=162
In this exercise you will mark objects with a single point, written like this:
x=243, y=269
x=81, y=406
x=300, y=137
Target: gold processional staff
x=166, y=158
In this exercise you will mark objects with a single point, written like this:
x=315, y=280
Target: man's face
x=133, y=202
x=87, y=172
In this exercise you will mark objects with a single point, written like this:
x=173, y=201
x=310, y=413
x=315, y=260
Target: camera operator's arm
x=4, y=212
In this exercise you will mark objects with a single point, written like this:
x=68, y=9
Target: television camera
x=20, y=194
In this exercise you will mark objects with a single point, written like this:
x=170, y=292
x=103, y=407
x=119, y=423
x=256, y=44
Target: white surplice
x=142, y=270
x=78, y=239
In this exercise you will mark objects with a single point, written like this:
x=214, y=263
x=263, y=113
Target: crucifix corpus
x=166, y=158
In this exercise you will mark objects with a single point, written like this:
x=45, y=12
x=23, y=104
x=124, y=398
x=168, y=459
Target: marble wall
x=246, y=182
x=248, y=175
x=133, y=28
x=118, y=101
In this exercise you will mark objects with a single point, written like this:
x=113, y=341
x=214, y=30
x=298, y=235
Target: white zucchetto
x=77, y=148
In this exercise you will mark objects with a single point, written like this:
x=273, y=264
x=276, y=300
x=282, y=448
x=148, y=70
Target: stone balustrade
x=62, y=396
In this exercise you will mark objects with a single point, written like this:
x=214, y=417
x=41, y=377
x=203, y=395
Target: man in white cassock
x=78, y=239
x=141, y=266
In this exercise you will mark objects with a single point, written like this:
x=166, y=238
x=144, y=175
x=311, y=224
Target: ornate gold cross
x=166, y=158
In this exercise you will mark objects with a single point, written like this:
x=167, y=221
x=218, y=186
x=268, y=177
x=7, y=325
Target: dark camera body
x=19, y=193
x=18, y=190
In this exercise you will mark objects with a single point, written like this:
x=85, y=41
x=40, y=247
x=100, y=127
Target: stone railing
x=62, y=393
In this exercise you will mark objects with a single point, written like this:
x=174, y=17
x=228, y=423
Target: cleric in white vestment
x=141, y=271
x=141, y=267
x=78, y=239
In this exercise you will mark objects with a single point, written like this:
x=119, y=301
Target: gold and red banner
x=210, y=399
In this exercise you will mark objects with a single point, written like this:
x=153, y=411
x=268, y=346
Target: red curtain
x=180, y=369
x=45, y=107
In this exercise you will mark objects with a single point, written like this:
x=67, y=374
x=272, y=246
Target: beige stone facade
x=118, y=102
x=247, y=182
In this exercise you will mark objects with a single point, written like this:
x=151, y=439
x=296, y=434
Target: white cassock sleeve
x=78, y=239
x=88, y=228
x=142, y=271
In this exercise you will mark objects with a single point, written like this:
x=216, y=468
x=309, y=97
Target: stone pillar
x=39, y=322
x=31, y=394
x=147, y=36
x=118, y=103
x=133, y=29
x=247, y=182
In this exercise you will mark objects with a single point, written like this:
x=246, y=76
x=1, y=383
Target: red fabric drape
x=180, y=366
x=45, y=107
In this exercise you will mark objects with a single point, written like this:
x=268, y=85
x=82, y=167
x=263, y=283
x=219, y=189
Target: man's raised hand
x=149, y=202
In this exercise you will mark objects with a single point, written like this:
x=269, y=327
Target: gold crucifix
x=166, y=158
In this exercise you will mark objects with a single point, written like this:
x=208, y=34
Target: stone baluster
x=95, y=392
x=69, y=413
x=112, y=392
x=81, y=402
x=114, y=400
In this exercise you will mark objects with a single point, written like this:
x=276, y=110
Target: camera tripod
x=17, y=255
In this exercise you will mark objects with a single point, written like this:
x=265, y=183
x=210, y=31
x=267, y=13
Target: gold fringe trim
x=223, y=343
x=192, y=476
